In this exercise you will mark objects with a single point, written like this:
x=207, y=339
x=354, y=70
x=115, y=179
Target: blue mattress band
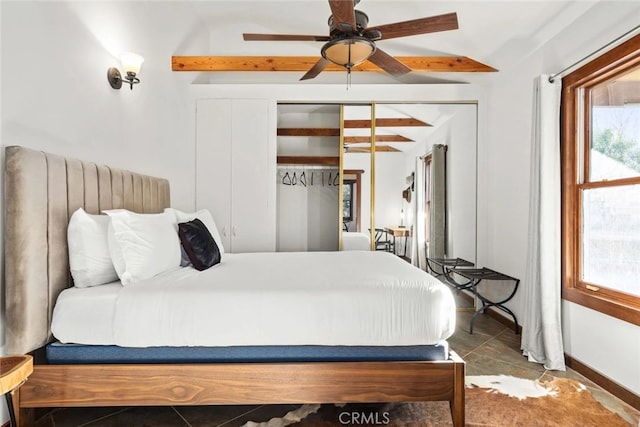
x=58, y=353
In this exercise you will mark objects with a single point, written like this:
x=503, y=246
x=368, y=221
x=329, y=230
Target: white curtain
x=418, y=241
x=438, y=216
x=542, y=327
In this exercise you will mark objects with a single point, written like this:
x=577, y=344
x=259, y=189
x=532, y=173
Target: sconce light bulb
x=131, y=62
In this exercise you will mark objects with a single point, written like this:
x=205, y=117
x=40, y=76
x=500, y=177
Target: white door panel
x=250, y=176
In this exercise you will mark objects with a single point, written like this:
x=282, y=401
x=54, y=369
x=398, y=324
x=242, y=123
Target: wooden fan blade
x=388, y=63
x=316, y=69
x=343, y=13
x=284, y=37
x=432, y=24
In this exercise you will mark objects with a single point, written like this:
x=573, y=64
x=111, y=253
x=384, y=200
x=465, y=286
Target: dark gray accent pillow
x=199, y=244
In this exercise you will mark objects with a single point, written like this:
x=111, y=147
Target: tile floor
x=492, y=349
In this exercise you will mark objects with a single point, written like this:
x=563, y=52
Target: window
x=601, y=183
x=347, y=200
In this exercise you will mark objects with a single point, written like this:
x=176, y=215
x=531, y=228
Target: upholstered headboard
x=41, y=192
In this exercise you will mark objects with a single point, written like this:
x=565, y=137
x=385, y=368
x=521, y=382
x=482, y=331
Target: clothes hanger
x=335, y=179
x=303, y=179
x=286, y=178
x=294, y=180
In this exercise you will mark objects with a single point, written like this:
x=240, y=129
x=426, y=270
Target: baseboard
x=609, y=385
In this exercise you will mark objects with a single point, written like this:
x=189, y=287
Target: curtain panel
x=438, y=217
x=542, y=326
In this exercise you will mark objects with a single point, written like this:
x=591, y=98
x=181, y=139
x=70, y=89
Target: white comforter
x=355, y=241
x=304, y=298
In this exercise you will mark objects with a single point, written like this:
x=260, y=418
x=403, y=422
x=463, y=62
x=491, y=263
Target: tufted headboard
x=41, y=192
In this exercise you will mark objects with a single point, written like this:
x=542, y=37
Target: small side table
x=14, y=371
x=399, y=232
x=477, y=275
x=447, y=265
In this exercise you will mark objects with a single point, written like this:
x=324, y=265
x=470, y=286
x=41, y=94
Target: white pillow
x=203, y=215
x=89, y=257
x=115, y=251
x=142, y=245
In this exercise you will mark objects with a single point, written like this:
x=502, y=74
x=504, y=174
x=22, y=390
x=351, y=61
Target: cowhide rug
x=490, y=401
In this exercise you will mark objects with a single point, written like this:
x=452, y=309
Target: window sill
x=603, y=305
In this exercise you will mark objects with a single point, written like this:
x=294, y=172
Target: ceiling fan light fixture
x=349, y=51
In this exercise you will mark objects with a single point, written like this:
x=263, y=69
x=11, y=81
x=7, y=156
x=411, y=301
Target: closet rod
x=307, y=167
x=593, y=54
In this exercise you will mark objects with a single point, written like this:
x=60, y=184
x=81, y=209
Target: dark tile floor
x=493, y=349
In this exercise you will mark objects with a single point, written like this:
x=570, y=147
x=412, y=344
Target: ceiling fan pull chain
x=348, y=66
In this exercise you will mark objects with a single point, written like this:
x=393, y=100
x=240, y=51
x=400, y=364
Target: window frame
x=348, y=183
x=575, y=136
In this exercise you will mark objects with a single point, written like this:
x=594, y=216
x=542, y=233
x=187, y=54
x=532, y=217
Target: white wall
x=458, y=130
x=56, y=96
x=504, y=165
x=390, y=181
x=462, y=182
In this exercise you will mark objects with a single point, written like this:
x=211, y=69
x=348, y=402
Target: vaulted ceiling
x=497, y=33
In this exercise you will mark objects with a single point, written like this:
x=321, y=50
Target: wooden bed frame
x=67, y=184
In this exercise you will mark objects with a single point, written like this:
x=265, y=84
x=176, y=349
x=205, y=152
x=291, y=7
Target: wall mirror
x=405, y=134
x=358, y=177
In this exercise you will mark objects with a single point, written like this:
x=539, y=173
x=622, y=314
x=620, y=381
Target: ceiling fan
x=351, y=42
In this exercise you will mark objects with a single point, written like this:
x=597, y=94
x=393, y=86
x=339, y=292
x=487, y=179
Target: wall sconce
x=131, y=64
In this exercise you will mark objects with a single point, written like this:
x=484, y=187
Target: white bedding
x=85, y=315
x=355, y=241
x=302, y=298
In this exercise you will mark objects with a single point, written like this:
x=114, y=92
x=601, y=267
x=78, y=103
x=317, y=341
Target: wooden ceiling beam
x=393, y=122
x=308, y=132
x=379, y=138
x=309, y=160
x=379, y=148
x=304, y=63
x=336, y=132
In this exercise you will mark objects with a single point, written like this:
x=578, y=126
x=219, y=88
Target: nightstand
x=14, y=371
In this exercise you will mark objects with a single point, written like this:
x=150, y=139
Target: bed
x=356, y=241
x=41, y=192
